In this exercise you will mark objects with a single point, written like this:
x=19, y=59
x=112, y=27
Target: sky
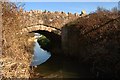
x=62, y=0
x=72, y=7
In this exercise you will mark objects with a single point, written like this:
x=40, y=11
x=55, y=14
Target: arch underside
x=53, y=34
x=55, y=41
x=50, y=35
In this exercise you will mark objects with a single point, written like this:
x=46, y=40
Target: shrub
x=44, y=42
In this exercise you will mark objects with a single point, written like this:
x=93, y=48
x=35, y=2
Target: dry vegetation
x=99, y=41
x=99, y=36
x=16, y=53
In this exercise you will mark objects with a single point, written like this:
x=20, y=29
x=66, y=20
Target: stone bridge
x=41, y=27
x=35, y=20
x=45, y=22
x=52, y=33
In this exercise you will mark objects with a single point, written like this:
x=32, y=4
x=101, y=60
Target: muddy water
x=58, y=66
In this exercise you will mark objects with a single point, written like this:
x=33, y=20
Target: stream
x=57, y=66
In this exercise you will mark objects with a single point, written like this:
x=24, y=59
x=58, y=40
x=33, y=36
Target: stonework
x=41, y=27
x=54, y=19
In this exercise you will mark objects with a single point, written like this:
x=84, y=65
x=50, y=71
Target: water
x=40, y=55
x=62, y=67
x=57, y=66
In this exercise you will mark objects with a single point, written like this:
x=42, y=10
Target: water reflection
x=40, y=55
x=58, y=66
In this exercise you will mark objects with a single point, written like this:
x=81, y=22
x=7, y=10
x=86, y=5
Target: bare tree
x=101, y=9
x=114, y=9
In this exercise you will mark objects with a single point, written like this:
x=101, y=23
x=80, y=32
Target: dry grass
x=16, y=49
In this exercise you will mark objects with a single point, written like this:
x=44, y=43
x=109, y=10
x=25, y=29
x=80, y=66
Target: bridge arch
x=42, y=28
x=53, y=34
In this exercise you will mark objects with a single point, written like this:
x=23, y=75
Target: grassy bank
x=17, y=51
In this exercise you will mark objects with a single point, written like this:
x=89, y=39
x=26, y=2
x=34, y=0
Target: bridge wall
x=70, y=39
x=55, y=19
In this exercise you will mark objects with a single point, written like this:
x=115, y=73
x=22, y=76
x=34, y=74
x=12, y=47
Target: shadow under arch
x=55, y=40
